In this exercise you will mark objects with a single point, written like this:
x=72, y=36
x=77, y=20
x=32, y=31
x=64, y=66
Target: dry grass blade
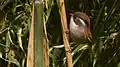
x=30, y=55
x=45, y=43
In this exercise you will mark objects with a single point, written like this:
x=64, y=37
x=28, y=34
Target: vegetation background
x=15, y=21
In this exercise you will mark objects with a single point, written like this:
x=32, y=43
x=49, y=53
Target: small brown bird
x=80, y=28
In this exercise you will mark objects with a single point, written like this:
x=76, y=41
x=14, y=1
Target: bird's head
x=80, y=27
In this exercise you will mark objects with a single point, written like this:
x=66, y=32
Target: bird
x=80, y=28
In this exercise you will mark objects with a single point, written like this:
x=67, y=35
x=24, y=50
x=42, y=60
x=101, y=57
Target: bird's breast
x=77, y=33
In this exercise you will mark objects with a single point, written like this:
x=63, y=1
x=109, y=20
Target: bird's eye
x=77, y=21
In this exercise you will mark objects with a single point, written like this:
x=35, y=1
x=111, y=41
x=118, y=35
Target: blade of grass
x=112, y=10
x=19, y=35
x=46, y=47
x=99, y=15
x=30, y=55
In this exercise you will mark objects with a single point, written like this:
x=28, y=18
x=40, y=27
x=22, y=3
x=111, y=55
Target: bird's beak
x=88, y=36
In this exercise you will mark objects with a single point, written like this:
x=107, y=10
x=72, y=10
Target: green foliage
x=105, y=21
x=15, y=20
x=14, y=27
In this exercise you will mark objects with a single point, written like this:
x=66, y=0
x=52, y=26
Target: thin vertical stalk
x=65, y=33
x=39, y=34
x=45, y=43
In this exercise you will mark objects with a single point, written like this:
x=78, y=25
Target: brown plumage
x=80, y=27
